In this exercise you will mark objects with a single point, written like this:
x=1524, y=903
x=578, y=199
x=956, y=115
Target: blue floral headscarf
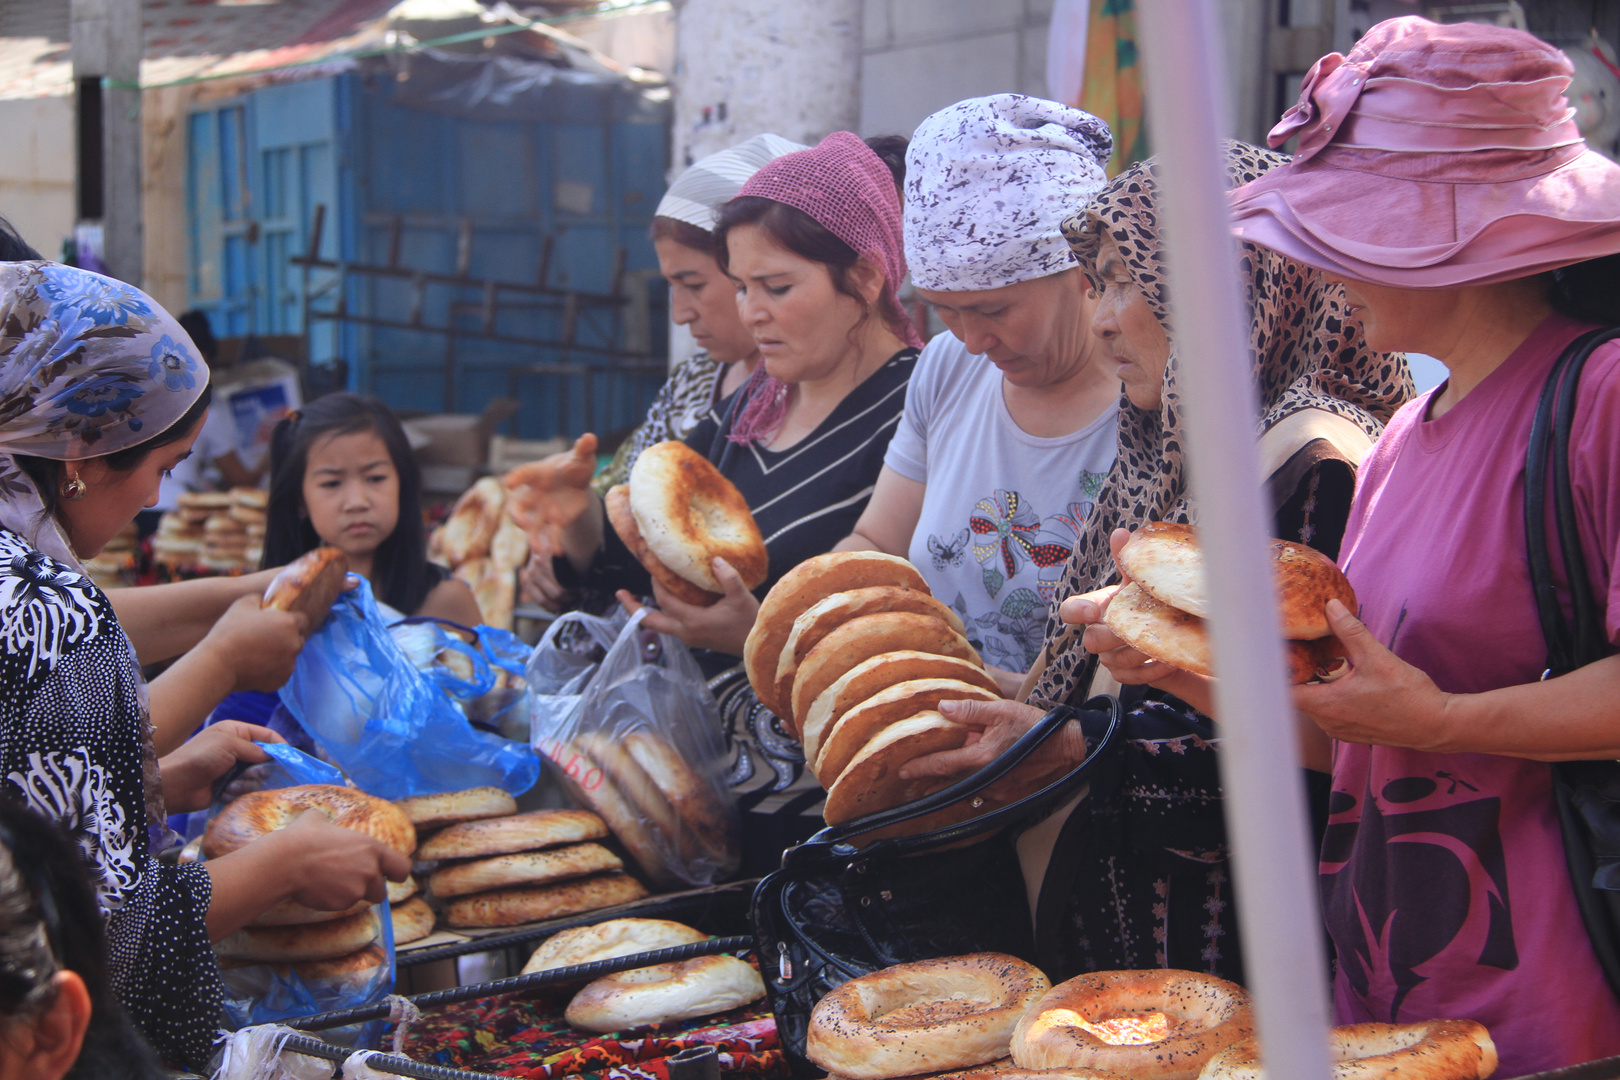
x=89, y=366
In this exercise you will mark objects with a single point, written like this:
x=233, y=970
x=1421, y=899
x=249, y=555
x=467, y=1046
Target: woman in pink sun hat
x=1440, y=176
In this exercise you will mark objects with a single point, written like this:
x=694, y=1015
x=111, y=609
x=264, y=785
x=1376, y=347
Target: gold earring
x=73, y=489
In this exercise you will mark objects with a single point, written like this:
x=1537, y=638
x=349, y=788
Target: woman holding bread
x=812, y=245
x=1009, y=425
x=1140, y=866
x=102, y=393
x=1445, y=883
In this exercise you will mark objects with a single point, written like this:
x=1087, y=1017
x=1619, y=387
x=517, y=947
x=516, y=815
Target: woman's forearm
x=582, y=537
x=246, y=883
x=163, y=621
x=182, y=697
x=1574, y=717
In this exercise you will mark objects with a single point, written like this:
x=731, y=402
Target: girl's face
x=702, y=299
x=1133, y=334
x=112, y=499
x=800, y=322
x=351, y=492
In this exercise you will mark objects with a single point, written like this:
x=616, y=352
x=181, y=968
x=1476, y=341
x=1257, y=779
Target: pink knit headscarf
x=845, y=187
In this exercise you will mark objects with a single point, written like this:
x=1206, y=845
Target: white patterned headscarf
x=988, y=184
x=89, y=366
x=697, y=194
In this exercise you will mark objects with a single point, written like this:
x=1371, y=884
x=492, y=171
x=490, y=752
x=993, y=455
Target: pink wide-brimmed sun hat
x=1435, y=156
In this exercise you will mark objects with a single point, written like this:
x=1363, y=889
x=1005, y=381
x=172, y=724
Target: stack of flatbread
x=854, y=654
x=1162, y=611
x=217, y=531
x=496, y=867
x=484, y=547
x=116, y=561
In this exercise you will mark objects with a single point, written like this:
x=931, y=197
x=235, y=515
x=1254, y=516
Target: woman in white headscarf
x=1009, y=422
x=702, y=299
x=101, y=392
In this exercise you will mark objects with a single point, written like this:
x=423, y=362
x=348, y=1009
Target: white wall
x=36, y=170
x=919, y=56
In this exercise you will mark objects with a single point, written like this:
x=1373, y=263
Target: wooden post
x=107, y=43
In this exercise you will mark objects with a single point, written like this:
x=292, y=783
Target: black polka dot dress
x=75, y=745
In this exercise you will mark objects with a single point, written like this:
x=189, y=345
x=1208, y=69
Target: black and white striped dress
x=805, y=499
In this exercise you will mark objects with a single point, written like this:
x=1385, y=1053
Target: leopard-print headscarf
x=1307, y=355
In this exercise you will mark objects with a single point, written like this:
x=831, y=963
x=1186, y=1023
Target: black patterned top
x=75, y=739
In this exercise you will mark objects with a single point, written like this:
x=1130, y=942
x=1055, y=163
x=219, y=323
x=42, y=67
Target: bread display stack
x=484, y=547
x=1162, y=611
x=317, y=944
x=496, y=867
x=220, y=532
x=681, y=990
x=854, y=653
x=114, y=565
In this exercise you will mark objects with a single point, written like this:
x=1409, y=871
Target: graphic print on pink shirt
x=1444, y=885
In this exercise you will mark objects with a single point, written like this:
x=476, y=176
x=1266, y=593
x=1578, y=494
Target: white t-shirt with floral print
x=1003, y=507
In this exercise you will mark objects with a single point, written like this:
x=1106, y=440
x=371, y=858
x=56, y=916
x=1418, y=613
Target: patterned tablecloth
x=526, y=1036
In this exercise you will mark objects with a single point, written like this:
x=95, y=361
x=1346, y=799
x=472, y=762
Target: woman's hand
x=1382, y=700
x=722, y=627
x=996, y=725
x=190, y=772
x=331, y=868
x=537, y=581
x=258, y=646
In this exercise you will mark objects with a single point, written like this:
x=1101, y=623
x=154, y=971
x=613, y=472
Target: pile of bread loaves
x=493, y=866
x=218, y=531
x=855, y=654
x=668, y=816
x=701, y=986
x=117, y=560
x=483, y=546
x=989, y=1016
x=1161, y=611
x=317, y=944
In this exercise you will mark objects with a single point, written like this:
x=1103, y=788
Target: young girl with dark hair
x=342, y=474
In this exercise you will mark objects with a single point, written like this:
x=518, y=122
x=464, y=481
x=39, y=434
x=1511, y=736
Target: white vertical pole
x=1265, y=802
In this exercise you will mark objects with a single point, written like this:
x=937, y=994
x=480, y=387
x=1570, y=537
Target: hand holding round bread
x=678, y=514
x=1158, y=614
x=309, y=585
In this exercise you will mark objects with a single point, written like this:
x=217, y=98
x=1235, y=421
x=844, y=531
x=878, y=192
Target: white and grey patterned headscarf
x=988, y=184
x=697, y=194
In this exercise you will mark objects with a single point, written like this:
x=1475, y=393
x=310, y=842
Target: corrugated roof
x=184, y=38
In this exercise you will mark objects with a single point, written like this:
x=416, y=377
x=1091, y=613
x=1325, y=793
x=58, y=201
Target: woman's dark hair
x=891, y=150
x=201, y=331
x=400, y=574
x=810, y=239
x=49, y=922
x=1588, y=291
x=47, y=473
x=13, y=248
x=685, y=234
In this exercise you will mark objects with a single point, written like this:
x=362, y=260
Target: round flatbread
x=474, y=804
x=831, y=612
x=518, y=832
x=413, y=920
x=522, y=868
x=888, y=706
x=1164, y=559
x=296, y=944
x=511, y=907
x=606, y=940
x=872, y=781
x=868, y=636
x=869, y=676
x=795, y=591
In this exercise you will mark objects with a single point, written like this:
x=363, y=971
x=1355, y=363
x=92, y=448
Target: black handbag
x=835, y=911
x=1587, y=793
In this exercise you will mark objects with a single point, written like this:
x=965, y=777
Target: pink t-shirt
x=1443, y=876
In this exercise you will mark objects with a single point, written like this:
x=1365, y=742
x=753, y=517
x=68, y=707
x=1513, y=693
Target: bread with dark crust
x=309, y=585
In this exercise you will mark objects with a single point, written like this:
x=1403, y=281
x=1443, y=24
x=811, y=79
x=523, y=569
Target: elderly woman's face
x=1133, y=334
x=1033, y=331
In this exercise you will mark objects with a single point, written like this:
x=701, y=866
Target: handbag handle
x=834, y=840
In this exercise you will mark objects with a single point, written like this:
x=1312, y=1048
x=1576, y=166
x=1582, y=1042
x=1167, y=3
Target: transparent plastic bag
x=625, y=716
x=390, y=728
x=483, y=675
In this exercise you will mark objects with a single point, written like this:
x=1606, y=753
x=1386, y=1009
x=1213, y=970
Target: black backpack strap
x=1567, y=647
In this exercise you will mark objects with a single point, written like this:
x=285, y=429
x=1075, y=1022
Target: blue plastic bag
x=390, y=728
